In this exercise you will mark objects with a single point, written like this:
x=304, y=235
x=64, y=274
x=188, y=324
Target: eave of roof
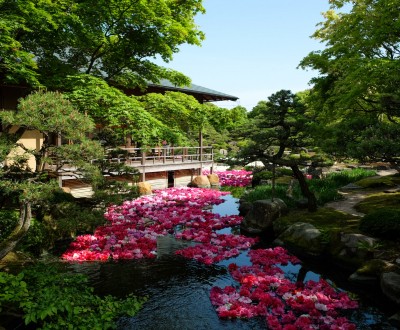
x=209, y=95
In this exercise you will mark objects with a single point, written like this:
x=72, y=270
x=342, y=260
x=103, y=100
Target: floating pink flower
x=264, y=291
x=233, y=178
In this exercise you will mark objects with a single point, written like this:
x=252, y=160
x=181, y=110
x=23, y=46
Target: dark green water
x=178, y=289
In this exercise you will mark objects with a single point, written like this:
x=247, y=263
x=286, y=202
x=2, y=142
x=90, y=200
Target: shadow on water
x=178, y=289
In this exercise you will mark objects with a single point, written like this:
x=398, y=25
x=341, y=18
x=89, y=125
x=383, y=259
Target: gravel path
x=354, y=196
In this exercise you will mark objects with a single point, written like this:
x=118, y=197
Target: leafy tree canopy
x=356, y=97
x=44, y=41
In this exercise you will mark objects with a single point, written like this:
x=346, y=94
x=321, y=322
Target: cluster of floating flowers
x=134, y=226
x=264, y=291
x=234, y=178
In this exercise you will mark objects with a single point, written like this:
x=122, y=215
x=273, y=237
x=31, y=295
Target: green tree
x=356, y=96
x=276, y=126
x=112, y=109
x=115, y=39
x=53, y=116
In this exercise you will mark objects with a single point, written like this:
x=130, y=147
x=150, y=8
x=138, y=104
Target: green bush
x=8, y=221
x=383, y=223
x=51, y=299
x=345, y=177
x=267, y=175
x=64, y=221
x=265, y=192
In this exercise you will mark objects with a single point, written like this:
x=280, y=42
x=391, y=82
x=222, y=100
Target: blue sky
x=252, y=47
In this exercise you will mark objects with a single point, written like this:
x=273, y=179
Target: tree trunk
x=312, y=201
x=24, y=222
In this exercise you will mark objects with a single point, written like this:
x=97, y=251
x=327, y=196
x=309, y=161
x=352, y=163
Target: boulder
x=390, y=285
x=305, y=237
x=66, y=190
x=201, y=181
x=262, y=214
x=395, y=320
x=370, y=272
x=356, y=246
x=214, y=180
x=144, y=188
x=244, y=207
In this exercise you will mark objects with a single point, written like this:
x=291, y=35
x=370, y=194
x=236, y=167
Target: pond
x=178, y=289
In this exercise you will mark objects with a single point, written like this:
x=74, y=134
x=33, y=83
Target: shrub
x=265, y=192
x=267, y=175
x=51, y=299
x=383, y=223
x=8, y=221
x=345, y=177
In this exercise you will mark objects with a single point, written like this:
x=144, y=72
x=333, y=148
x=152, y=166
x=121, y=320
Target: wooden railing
x=160, y=155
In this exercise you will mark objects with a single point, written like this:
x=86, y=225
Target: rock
x=351, y=186
x=363, y=279
x=302, y=203
x=214, y=180
x=201, y=181
x=244, y=207
x=66, y=190
x=303, y=236
x=375, y=267
x=262, y=214
x=390, y=285
x=144, y=188
x=395, y=320
x=356, y=246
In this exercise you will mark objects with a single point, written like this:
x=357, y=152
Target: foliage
x=50, y=114
x=236, y=192
x=345, y=177
x=277, y=127
x=267, y=175
x=114, y=40
x=383, y=223
x=355, y=98
x=8, y=220
x=265, y=192
x=325, y=189
x=50, y=299
x=112, y=109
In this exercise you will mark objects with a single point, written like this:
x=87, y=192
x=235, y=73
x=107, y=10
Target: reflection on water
x=178, y=289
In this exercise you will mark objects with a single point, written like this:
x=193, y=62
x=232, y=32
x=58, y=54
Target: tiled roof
x=208, y=95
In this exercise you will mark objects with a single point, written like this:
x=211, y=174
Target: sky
x=252, y=48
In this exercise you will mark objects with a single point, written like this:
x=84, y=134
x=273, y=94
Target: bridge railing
x=159, y=155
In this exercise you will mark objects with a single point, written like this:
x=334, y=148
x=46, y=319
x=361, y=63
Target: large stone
x=214, y=180
x=395, y=320
x=244, y=207
x=262, y=214
x=357, y=246
x=390, y=285
x=201, y=181
x=144, y=188
x=305, y=237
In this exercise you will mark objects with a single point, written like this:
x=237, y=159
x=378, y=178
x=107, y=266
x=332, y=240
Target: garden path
x=353, y=196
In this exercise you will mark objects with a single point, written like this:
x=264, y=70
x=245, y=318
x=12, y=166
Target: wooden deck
x=153, y=164
x=163, y=158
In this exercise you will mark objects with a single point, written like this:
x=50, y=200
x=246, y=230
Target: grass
x=325, y=219
x=265, y=192
x=383, y=181
x=325, y=190
x=379, y=201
